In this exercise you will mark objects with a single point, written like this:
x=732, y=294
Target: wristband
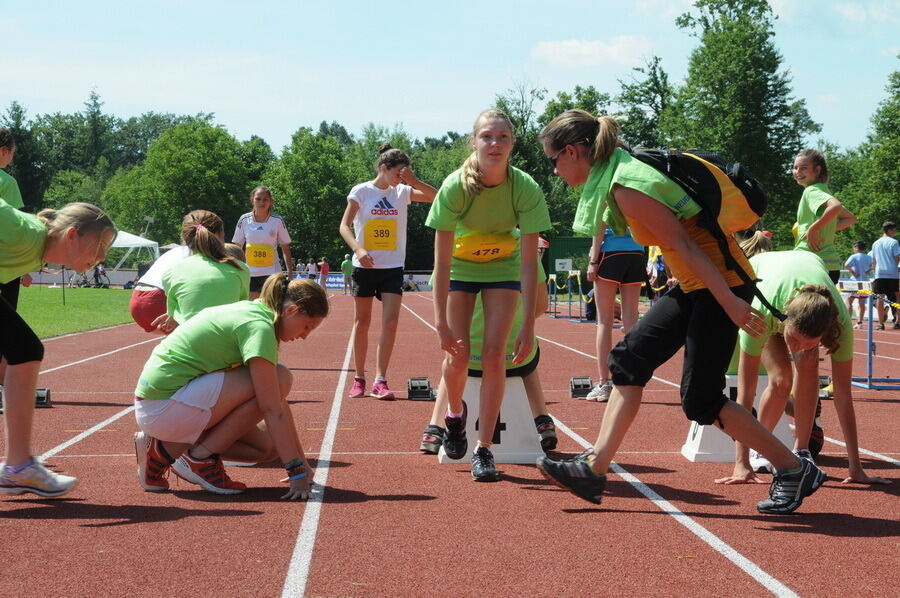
x=293, y=464
x=299, y=476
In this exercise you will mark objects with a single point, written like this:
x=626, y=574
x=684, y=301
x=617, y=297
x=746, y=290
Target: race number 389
x=381, y=234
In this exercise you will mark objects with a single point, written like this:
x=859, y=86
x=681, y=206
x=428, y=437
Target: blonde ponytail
x=599, y=133
x=200, y=231
x=470, y=174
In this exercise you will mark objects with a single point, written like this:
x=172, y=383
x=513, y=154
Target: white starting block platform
x=709, y=444
x=515, y=437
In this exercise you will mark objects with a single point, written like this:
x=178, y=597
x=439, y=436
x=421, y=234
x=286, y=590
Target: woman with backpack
x=703, y=314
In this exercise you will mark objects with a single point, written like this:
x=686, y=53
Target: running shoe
x=789, y=489
x=208, y=473
x=574, y=475
x=152, y=467
x=804, y=454
x=359, y=388
x=759, y=464
x=546, y=432
x=600, y=393
x=37, y=479
x=483, y=469
x=381, y=391
x=816, y=440
x=432, y=439
x=455, y=442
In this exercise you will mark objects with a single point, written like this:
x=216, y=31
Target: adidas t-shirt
x=380, y=222
x=262, y=240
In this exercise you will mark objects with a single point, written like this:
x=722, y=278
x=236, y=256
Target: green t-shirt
x=597, y=203
x=811, y=207
x=218, y=338
x=9, y=191
x=22, y=240
x=518, y=201
x=347, y=267
x=198, y=282
x=781, y=274
x=476, y=331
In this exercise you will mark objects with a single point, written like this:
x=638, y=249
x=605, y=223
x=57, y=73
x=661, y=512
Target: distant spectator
x=312, y=271
x=347, y=271
x=860, y=265
x=886, y=255
x=324, y=269
x=410, y=284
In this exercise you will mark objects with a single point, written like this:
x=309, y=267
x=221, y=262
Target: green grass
x=42, y=307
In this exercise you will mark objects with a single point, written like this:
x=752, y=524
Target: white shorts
x=183, y=417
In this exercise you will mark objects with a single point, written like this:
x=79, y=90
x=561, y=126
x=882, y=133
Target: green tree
x=867, y=179
x=337, y=131
x=194, y=165
x=28, y=167
x=736, y=101
x=257, y=156
x=642, y=103
x=69, y=186
x=134, y=135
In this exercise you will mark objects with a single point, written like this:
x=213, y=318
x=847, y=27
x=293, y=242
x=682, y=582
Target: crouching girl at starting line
x=208, y=384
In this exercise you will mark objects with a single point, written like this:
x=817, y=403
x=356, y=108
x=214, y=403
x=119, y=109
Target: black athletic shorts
x=257, y=282
x=886, y=286
x=520, y=371
x=371, y=282
x=623, y=267
x=18, y=342
x=834, y=275
x=10, y=292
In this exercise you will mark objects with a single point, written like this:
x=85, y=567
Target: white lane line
x=743, y=563
x=881, y=456
x=56, y=338
x=876, y=356
x=108, y=353
x=86, y=433
x=301, y=559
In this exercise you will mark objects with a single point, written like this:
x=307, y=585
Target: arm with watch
x=594, y=255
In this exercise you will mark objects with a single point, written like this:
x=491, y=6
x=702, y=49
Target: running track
x=392, y=522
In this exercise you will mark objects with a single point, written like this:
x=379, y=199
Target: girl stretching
x=477, y=249
x=77, y=236
x=376, y=211
x=797, y=283
x=702, y=314
x=209, y=383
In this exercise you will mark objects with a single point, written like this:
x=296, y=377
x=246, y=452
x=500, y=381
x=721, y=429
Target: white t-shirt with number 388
x=380, y=223
x=262, y=240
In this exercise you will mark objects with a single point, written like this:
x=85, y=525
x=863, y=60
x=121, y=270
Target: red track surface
x=392, y=522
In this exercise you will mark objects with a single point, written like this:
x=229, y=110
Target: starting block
x=709, y=444
x=419, y=389
x=41, y=399
x=580, y=386
x=515, y=437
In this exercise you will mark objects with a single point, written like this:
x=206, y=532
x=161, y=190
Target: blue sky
x=269, y=67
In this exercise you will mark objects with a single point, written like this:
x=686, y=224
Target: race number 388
x=381, y=234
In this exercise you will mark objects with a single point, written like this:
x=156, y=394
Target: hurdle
x=869, y=381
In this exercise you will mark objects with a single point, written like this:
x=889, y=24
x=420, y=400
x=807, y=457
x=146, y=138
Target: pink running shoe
x=381, y=391
x=359, y=388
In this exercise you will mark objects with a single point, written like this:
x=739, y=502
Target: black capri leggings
x=695, y=321
x=18, y=342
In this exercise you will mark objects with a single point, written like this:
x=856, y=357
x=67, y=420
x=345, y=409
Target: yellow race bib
x=381, y=235
x=260, y=255
x=485, y=247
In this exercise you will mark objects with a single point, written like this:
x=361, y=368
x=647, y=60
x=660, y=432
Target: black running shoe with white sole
x=455, y=442
x=788, y=490
x=574, y=475
x=546, y=432
x=432, y=439
x=483, y=469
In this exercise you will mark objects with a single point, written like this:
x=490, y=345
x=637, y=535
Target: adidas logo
x=384, y=208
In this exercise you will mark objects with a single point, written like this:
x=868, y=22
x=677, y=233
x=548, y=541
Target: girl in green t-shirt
x=77, y=236
x=703, y=316
x=819, y=214
x=204, y=389
x=209, y=277
x=798, y=285
x=477, y=249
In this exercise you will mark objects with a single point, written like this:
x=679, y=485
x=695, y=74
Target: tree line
x=736, y=100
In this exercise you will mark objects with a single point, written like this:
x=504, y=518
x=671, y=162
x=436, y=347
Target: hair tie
x=284, y=283
x=198, y=226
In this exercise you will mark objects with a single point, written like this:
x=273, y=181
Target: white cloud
x=892, y=51
x=829, y=98
x=620, y=51
x=662, y=9
x=874, y=12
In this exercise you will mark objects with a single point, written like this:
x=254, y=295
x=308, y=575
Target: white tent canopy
x=132, y=242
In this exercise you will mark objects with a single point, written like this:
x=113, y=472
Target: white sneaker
x=600, y=393
x=759, y=464
x=37, y=479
